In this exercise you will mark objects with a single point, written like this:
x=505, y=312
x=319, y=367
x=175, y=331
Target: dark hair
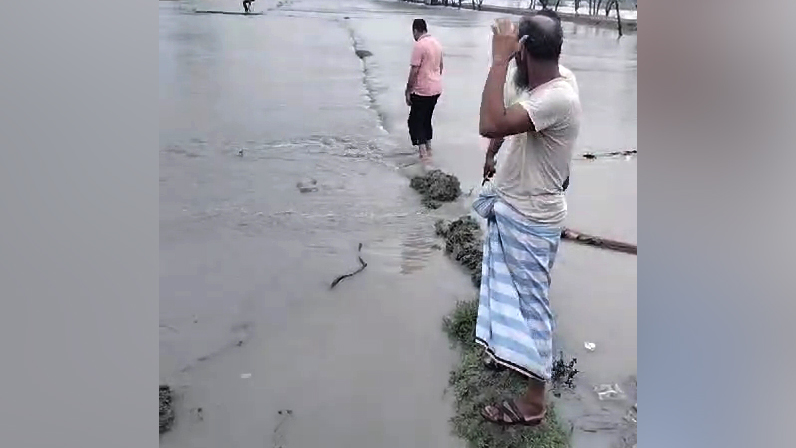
x=543, y=42
x=549, y=13
x=419, y=25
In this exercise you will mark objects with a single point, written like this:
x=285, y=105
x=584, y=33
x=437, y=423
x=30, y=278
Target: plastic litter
x=631, y=416
x=245, y=375
x=609, y=392
x=590, y=346
x=307, y=186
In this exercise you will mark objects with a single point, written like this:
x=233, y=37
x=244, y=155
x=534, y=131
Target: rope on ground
x=362, y=267
x=590, y=240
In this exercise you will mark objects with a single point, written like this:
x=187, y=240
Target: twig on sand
x=569, y=234
x=592, y=156
x=362, y=267
x=166, y=408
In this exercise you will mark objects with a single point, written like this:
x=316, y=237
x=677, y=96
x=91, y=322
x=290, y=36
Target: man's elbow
x=489, y=130
x=489, y=133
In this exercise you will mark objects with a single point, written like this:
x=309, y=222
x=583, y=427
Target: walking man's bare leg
x=425, y=153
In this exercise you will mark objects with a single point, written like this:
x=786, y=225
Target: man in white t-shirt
x=511, y=97
x=538, y=113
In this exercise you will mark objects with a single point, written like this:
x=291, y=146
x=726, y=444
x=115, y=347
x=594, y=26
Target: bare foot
x=425, y=155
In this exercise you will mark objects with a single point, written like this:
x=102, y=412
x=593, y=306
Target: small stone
x=307, y=186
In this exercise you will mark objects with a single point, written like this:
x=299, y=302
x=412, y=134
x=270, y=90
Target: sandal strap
x=513, y=411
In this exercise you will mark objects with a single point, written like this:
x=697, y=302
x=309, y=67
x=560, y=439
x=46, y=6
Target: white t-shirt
x=531, y=167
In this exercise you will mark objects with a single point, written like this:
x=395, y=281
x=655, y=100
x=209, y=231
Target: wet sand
x=246, y=258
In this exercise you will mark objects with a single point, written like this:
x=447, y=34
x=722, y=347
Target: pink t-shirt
x=427, y=55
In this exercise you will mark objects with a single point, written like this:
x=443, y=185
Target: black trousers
x=420, y=113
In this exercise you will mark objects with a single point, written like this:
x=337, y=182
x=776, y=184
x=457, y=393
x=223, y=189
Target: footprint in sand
x=279, y=438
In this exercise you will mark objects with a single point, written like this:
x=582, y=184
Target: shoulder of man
x=569, y=77
x=564, y=93
x=553, y=104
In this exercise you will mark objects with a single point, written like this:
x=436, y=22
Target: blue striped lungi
x=515, y=323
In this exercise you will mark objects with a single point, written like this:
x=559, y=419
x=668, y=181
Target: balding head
x=544, y=22
x=543, y=36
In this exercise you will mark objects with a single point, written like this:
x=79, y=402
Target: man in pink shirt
x=423, y=87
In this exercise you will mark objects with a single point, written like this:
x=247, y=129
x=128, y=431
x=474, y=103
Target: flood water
x=566, y=6
x=251, y=106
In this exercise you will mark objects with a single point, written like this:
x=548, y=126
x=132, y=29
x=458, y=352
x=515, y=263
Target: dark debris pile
x=564, y=373
x=436, y=187
x=166, y=409
x=464, y=244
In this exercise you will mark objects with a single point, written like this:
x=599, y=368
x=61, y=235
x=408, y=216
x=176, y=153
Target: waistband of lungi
x=503, y=210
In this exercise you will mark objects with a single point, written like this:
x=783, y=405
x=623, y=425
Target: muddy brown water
x=249, y=325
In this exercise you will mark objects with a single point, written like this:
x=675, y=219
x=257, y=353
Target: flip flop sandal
x=509, y=409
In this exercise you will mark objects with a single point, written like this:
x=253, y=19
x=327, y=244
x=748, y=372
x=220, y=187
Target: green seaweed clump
x=436, y=187
x=166, y=409
x=464, y=244
x=563, y=373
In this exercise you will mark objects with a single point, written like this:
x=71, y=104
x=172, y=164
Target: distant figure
x=423, y=87
x=247, y=5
